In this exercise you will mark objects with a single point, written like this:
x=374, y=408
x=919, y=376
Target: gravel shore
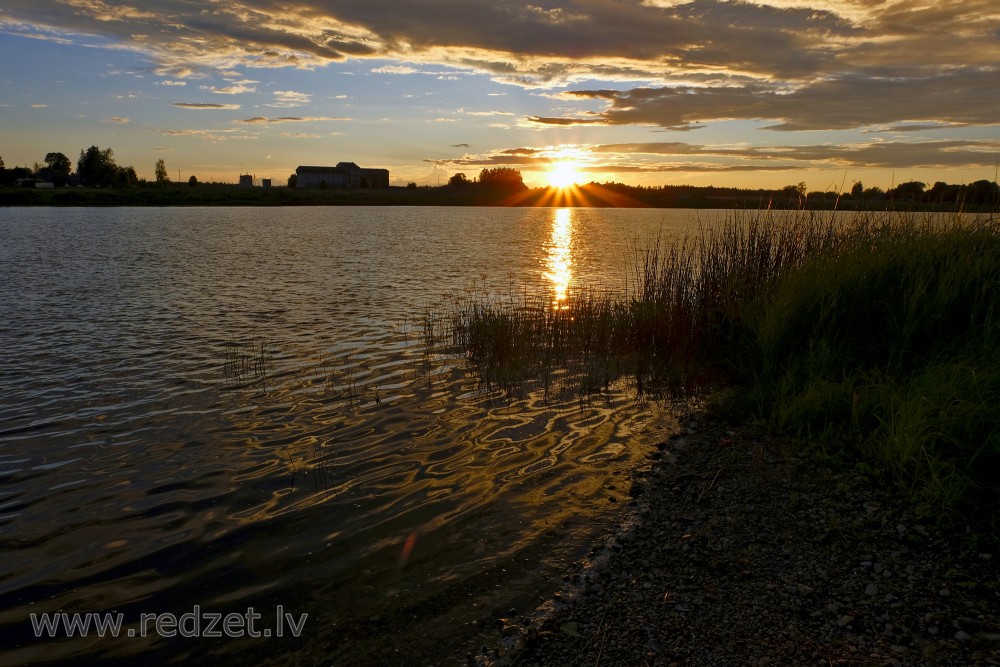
x=746, y=551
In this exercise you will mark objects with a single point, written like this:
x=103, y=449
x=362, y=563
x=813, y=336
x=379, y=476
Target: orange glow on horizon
x=563, y=174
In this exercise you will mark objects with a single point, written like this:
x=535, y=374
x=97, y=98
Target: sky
x=644, y=92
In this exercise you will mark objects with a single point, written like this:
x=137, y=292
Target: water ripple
x=235, y=407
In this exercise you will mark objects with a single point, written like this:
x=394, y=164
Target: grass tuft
x=876, y=337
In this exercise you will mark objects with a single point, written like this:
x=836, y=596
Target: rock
x=845, y=620
x=944, y=592
x=962, y=636
x=871, y=589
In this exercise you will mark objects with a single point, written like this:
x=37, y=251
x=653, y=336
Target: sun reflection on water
x=559, y=259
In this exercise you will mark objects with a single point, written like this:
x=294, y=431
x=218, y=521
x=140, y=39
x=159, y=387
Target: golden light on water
x=560, y=255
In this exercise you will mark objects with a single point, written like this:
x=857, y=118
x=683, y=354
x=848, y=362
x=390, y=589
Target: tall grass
x=878, y=337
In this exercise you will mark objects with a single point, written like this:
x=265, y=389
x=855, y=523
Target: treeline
x=978, y=195
x=507, y=182
x=497, y=186
x=96, y=168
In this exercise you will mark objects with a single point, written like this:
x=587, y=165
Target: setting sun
x=563, y=174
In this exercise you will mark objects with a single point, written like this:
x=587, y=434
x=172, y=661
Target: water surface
x=236, y=407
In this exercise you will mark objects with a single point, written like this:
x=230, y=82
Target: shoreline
x=745, y=550
x=590, y=196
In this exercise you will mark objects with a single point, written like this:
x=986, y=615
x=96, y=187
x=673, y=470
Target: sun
x=563, y=174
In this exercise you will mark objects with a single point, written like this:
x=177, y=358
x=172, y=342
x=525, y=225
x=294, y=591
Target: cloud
x=289, y=98
x=797, y=64
x=965, y=97
x=675, y=156
x=168, y=82
x=237, y=88
x=117, y=119
x=264, y=120
x=205, y=105
x=213, y=136
x=39, y=106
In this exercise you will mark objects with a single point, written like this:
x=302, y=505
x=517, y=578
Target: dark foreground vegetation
x=875, y=342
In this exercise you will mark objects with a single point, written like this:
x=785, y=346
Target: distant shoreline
x=591, y=196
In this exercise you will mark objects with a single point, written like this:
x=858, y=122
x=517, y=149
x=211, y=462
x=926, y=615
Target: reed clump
x=875, y=338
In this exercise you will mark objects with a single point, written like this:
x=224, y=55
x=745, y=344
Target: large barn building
x=344, y=175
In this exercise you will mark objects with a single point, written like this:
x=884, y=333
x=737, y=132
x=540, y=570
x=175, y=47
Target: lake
x=217, y=409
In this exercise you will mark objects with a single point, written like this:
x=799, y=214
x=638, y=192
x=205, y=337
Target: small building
x=344, y=175
x=265, y=182
x=246, y=181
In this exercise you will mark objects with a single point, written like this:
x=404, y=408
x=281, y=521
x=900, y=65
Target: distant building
x=265, y=182
x=246, y=181
x=344, y=175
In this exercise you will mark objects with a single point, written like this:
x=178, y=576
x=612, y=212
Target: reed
x=875, y=338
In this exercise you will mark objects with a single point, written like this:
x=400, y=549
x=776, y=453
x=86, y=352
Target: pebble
x=736, y=561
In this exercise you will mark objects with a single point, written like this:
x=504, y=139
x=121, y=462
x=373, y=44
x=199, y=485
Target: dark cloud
x=831, y=65
x=966, y=96
x=889, y=155
x=675, y=156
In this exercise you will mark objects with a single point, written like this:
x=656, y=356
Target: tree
x=56, y=170
x=161, y=172
x=982, y=192
x=458, y=181
x=293, y=180
x=502, y=178
x=799, y=189
x=96, y=167
x=909, y=191
x=193, y=181
x=59, y=164
x=941, y=192
x=857, y=189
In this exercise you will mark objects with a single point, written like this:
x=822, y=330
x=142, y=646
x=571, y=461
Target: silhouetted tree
x=502, y=178
x=909, y=191
x=293, y=180
x=982, y=192
x=193, y=181
x=56, y=170
x=58, y=163
x=98, y=168
x=942, y=192
x=857, y=189
x=459, y=181
x=161, y=172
